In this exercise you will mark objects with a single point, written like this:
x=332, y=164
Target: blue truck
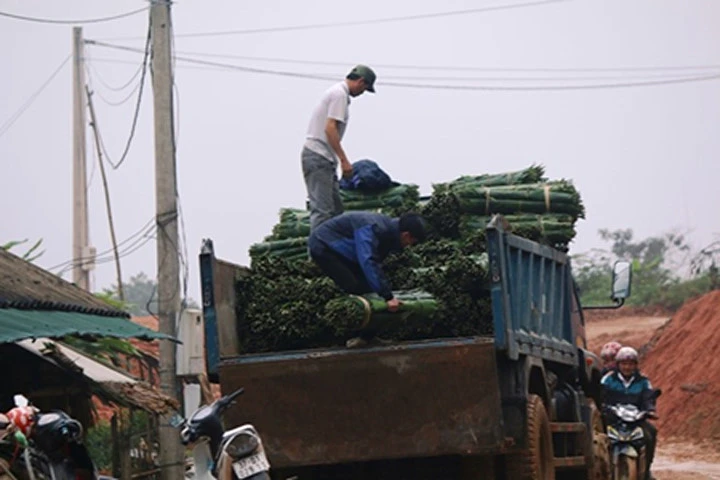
x=520, y=404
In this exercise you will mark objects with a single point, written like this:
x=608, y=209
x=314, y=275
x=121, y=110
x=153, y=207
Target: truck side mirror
x=622, y=276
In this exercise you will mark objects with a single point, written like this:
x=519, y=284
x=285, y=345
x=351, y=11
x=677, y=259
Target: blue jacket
x=636, y=390
x=363, y=238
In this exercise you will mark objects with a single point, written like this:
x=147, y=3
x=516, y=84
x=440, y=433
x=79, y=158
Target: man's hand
x=346, y=168
x=393, y=304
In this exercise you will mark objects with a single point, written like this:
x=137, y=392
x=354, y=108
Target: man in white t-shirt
x=322, y=150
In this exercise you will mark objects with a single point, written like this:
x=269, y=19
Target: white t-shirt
x=334, y=104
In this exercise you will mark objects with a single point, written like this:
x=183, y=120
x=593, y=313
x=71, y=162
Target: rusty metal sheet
x=331, y=406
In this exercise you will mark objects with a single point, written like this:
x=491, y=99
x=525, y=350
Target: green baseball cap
x=367, y=74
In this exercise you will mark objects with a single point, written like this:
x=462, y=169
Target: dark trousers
x=650, y=432
x=347, y=275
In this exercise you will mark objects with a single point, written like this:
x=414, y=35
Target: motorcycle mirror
x=177, y=421
x=21, y=400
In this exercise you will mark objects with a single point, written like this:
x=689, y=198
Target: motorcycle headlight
x=637, y=434
x=242, y=445
x=613, y=434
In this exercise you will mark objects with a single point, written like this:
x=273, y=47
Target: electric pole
x=168, y=266
x=82, y=255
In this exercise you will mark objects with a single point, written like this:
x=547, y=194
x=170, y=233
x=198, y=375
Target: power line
x=649, y=83
x=353, y=23
x=456, y=68
x=146, y=228
x=89, y=62
x=661, y=80
x=146, y=54
x=74, y=22
x=15, y=116
x=468, y=87
x=119, y=102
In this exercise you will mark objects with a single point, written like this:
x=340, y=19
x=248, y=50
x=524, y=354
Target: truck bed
x=418, y=399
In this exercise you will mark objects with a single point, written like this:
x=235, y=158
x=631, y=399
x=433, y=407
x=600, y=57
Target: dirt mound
x=685, y=362
x=624, y=312
x=634, y=331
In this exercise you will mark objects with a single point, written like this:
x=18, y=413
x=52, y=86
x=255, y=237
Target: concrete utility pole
x=82, y=263
x=168, y=273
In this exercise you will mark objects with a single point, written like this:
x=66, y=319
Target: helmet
x=610, y=350
x=22, y=418
x=626, y=354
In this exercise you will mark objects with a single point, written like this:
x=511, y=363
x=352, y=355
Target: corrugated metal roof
x=17, y=324
x=22, y=281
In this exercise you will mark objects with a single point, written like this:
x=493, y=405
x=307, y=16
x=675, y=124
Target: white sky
x=644, y=158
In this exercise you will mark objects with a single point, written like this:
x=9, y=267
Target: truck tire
x=537, y=461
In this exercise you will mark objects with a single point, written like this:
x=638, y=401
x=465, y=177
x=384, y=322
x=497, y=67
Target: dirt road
x=676, y=460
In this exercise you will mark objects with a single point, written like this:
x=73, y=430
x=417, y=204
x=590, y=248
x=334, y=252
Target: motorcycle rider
x=607, y=354
x=626, y=385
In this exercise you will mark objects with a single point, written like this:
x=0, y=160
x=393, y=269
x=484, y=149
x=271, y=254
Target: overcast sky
x=643, y=157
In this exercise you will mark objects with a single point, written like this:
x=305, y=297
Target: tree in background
x=706, y=262
x=141, y=295
x=655, y=261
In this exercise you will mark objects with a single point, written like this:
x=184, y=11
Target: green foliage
x=99, y=439
x=108, y=296
x=140, y=295
x=30, y=255
x=104, y=348
x=99, y=444
x=655, y=279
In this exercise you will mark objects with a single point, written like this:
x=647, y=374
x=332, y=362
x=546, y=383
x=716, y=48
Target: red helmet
x=609, y=351
x=22, y=418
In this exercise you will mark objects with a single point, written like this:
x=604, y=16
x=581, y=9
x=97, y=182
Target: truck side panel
x=531, y=288
x=332, y=406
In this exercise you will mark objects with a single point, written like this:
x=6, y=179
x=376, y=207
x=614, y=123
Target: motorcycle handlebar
x=225, y=401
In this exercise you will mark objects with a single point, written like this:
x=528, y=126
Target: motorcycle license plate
x=247, y=467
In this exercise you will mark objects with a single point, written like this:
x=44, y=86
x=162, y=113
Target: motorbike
x=223, y=455
x=59, y=438
x=628, y=445
x=51, y=443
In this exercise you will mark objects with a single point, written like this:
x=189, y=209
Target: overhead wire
x=122, y=253
x=670, y=78
x=133, y=126
x=23, y=108
x=117, y=103
x=668, y=81
x=455, y=67
x=353, y=23
x=90, y=64
x=76, y=261
x=74, y=22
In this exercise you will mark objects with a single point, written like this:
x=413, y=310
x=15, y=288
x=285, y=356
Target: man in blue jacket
x=626, y=385
x=350, y=248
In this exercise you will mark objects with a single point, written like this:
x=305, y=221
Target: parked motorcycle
x=223, y=455
x=51, y=443
x=628, y=445
x=59, y=438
